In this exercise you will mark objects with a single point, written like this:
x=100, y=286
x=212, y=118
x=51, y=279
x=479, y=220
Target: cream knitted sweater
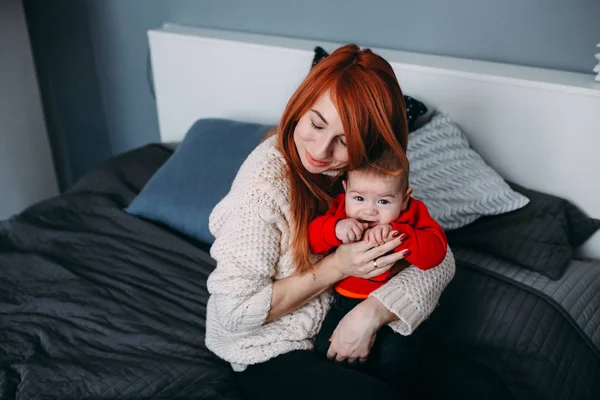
x=252, y=228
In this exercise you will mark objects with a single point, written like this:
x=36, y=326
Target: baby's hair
x=387, y=163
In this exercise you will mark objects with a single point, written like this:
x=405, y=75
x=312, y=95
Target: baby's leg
x=331, y=321
x=339, y=308
x=395, y=358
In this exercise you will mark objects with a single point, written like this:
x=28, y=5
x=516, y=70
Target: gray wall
x=104, y=47
x=26, y=170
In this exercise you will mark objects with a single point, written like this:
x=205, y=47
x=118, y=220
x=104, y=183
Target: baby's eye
x=383, y=202
x=359, y=198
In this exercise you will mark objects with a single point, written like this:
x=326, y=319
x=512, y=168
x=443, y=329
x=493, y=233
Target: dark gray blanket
x=541, y=336
x=98, y=304
x=95, y=303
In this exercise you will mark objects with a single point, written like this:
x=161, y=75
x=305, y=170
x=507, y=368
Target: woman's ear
x=406, y=198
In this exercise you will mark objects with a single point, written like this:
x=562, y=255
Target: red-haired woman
x=268, y=293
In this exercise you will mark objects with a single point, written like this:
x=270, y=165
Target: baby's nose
x=370, y=210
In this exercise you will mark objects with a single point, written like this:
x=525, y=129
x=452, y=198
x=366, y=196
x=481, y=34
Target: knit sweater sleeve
x=413, y=294
x=247, y=249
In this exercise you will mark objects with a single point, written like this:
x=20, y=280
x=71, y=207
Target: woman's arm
x=402, y=303
x=293, y=292
x=247, y=249
x=353, y=337
x=353, y=259
x=413, y=294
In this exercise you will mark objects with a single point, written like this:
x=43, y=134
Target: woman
x=269, y=294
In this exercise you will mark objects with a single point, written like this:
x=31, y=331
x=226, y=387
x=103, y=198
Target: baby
x=376, y=203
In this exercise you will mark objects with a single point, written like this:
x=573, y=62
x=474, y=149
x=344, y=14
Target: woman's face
x=319, y=138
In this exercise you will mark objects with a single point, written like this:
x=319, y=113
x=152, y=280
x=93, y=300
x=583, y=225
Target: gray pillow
x=183, y=192
x=452, y=179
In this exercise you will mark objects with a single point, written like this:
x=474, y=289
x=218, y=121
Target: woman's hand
x=367, y=260
x=354, y=336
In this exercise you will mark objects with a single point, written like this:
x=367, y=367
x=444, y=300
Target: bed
x=98, y=303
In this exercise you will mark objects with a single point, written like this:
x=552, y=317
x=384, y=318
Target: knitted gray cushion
x=452, y=179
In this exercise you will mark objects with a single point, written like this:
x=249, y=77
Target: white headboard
x=539, y=128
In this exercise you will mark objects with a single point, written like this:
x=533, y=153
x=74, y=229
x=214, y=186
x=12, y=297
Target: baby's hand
x=349, y=230
x=378, y=234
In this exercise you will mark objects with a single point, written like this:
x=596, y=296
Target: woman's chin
x=312, y=169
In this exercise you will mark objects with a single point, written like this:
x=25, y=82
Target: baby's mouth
x=371, y=223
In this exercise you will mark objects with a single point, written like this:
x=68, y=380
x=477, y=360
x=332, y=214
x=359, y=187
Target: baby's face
x=376, y=200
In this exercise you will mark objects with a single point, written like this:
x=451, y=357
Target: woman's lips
x=315, y=163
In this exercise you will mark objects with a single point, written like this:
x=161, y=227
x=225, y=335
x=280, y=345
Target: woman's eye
x=384, y=202
x=316, y=126
x=358, y=198
x=342, y=141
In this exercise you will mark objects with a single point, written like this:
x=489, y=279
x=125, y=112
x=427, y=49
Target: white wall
x=26, y=169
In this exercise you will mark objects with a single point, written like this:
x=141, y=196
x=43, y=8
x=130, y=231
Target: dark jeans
x=393, y=357
x=408, y=374
x=306, y=375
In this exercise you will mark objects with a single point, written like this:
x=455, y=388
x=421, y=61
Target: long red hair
x=369, y=101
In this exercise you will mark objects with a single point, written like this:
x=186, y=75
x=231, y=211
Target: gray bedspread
x=98, y=304
x=541, y=336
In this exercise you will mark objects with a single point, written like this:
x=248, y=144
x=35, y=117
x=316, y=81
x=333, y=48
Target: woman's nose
x=323, y=149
